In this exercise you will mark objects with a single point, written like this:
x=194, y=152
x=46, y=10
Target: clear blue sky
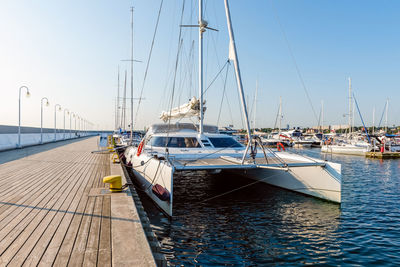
x=69, y=51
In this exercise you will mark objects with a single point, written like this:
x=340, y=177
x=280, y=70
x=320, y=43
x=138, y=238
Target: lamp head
x=47, y=103
x=59, y=108
x=28, y=94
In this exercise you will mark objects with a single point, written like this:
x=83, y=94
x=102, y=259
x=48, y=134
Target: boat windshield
x=224, y=142
x=160, y=141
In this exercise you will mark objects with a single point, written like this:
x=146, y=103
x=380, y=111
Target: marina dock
x=383, y=155
x=55, y=210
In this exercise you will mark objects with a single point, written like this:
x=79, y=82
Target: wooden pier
x=55, y=210
x=383, y=155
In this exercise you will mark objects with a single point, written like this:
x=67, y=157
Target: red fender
x=139, y=149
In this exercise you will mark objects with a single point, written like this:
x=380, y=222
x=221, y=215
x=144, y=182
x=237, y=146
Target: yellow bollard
x=115, y=157
x=115, y=182
x=109, y=142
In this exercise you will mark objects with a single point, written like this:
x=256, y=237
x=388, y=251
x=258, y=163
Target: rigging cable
x=383, y=113
x=223, y=94
x=362, y=120
x=216, y=76
x=293, y=59
x=148, y=60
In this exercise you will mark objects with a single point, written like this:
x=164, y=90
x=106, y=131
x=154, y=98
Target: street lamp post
x=55, y=120
x=79, y=126
x=41, y=117
x=19, y=113
x=83, y=126
x=70, y=124
x=75, y=122
x=64, y=121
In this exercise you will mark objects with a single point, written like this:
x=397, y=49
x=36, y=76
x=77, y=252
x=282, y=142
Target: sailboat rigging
x=170, y=148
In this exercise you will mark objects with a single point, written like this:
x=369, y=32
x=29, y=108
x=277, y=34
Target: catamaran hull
x=315, y=178
x=322, y=182
x=155, y=172
x=317, y=181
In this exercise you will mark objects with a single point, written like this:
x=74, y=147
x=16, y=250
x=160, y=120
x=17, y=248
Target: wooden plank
x=22, y=180
x=59, y=223
x=128, y=237
x=36, y=242
x=104, y=254
x=28, y=182
x=19, y=195
x=63, y=231
x=92, y=246
x=29, y=199
x=78, y=251
x=28, y=209
x=16, y=239
x=68, y=240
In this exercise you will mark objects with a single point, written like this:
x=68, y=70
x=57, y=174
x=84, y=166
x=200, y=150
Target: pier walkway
x=54, y=210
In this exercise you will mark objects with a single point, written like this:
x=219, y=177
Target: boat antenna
x=233, y=56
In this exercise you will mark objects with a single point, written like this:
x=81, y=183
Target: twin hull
x=319, y=181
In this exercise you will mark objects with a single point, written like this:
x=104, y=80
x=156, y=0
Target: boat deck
x=235, y=163
x=53, y=211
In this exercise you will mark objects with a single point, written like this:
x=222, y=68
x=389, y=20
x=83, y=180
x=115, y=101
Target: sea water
x=266, y=225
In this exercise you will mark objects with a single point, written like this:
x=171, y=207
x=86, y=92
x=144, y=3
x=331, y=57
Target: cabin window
x=160, y=141
x=224, y=142
x=296, y=134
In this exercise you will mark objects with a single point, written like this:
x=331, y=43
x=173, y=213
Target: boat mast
x=280, y=116
x=123, y=117
x=373, y=120
x=350, y=109
x=386, y=116
x=322, y=116
x=202, y=29
x=118, y=108
x=131, y=137
x=237, y=72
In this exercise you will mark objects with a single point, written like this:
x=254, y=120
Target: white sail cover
x=190, y=109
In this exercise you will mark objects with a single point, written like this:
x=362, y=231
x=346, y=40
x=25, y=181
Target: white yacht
x=167, y=150
x=170, y=148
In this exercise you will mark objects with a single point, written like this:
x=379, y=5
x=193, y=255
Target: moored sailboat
x=170, y=148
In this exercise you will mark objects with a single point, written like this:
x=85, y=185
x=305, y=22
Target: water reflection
x=257, y=225
x=261, y=224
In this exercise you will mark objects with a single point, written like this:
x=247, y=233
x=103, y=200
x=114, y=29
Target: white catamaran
x=170, y=148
